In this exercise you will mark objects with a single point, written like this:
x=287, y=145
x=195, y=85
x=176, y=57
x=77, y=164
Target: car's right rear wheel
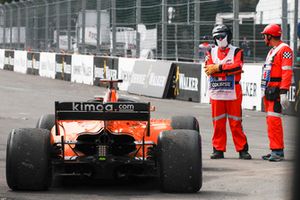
x=185, y=122
x=28, y=159
x=180, y=161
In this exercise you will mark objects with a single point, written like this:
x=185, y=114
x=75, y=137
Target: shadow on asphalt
x=82, y=184
x=131, y=187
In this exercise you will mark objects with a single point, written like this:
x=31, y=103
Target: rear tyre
x=180, y=161
x=185, y=122
x=28, y=161
x=46, y=122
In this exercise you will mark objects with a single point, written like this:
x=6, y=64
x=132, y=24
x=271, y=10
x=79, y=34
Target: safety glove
x=211, y=69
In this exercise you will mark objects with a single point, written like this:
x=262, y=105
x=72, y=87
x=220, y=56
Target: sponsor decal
x=126, y=76
x=221, y=84
x=82, y=69
x=77, y=70
x=92, y=107
x=138, y=78
x=156, y=80
x=188, y=83
x=292, y=93
x=67, y=68
x=87, y=71
x=123, y=107
x=108, y=73
x=249, y=89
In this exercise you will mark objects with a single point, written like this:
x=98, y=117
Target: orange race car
x=106, y=138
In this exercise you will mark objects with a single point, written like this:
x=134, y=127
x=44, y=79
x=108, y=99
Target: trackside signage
x=63, y=67
x=9, y=60
x=105, y=68
x=20, y=61
x=294, y=94
x=2, y=58
x=33, y=63
x=150, y=78
x=125, y=71
x=82, y=69
x=188, y=77
x=250, y=82
x=251, y=86
x=204, y=86
x=47, y=65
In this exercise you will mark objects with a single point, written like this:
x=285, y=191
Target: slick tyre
x=46, y=122
x=180, y=161
x=185, y=122
x=28, y=162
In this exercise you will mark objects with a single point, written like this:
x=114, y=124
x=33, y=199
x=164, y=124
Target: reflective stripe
x=235, y=118
x=286, y=67
x=274, y=114
x=219, y=117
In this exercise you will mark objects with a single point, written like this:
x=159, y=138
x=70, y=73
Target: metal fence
x=159, y=29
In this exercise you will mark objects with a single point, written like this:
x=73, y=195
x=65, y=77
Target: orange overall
x=280, y=76
x=227, y=101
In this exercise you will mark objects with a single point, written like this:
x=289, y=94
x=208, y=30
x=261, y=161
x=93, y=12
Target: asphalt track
x=24, y=98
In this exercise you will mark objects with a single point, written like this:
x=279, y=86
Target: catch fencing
x=158, y=29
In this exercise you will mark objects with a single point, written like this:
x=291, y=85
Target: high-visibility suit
x=277, y=79
x=226, y=97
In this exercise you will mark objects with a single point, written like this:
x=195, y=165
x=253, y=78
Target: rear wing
x=102, y=111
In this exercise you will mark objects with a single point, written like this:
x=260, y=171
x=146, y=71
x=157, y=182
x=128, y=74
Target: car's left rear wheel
x=46, y=122
x=28, y=159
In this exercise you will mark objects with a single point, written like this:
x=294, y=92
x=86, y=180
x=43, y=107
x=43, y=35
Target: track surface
x=24, y=98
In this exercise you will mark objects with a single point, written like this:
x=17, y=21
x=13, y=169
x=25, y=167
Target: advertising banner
x=124, y=72
x=251, y=86
x=20, y=61
x=204, y=86
x=63, y=67
x=150, y=78
x=187, y=81
x=294, y=94
x=105, y=68
x=82, y=69
x=33, y=63
x=9, y=60
x=250, y=82
x=2, y=58
x=47, y=65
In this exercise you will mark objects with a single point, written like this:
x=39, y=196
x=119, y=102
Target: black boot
x=244, y=153
x=217, y=154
